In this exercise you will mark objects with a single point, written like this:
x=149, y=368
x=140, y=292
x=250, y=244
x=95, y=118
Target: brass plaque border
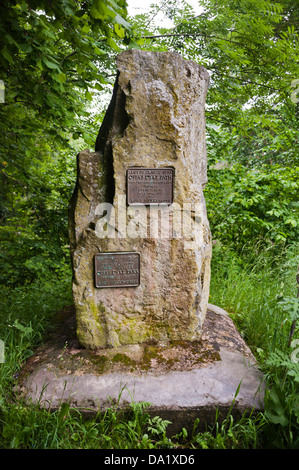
x=129, y=188
x=116, y=254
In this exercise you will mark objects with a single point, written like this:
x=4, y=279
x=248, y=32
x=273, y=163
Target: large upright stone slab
x=155, y=121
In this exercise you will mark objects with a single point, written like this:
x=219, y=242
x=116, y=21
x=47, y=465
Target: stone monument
x=141, y=328
x=140, y=237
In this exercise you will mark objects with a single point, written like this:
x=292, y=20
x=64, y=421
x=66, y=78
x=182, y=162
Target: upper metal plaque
x=119, y=269
x=150, y=186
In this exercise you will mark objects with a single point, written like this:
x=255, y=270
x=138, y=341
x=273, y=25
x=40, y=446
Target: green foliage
x=282, y=400
x=34, y=238
x=61, y=54
x=247, y=206
x=35, y=428
x=54, y=58
x=251, y=50
x=244, y=433
x=250, y=286
x=271, y=143
x=249, y=47
x=26, y=317
x=260, y=294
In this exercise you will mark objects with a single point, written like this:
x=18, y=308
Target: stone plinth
x=180, y=381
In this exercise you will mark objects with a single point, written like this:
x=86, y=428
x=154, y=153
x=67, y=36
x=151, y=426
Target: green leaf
x=99, y=51
x=274, y=408
x=61, y=77
x=100, y=11
x=25, y=48
x=119, y=30
x=140, y=42
x=39, y=64
x=50, y=64
x=27, y=353
x=65, y=407
x=27, y=330
x=291, y=222
x=121, y=21
x=88, y=95
x=7, y=55
x=97, y=86
x=85, y=29
x=112, y=44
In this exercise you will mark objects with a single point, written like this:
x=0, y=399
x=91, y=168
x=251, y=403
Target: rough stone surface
x=181, y=380
x=155, y=120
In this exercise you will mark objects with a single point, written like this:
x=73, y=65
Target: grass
x=257, y=293
x=25, y=319
x=251, y=292
x=250, y=286
x=31, y=427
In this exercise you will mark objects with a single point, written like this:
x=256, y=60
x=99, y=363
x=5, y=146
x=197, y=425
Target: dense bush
x=34, y=229
x=257, y=205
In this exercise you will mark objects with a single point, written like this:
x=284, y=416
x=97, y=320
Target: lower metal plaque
x=119, y=269
x=150, y=186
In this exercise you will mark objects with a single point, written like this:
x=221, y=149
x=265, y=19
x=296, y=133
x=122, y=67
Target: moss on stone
x=91, y=326
x=101, y=362
x=124, y=359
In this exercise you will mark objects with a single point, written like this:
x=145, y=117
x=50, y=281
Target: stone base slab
x=181, y=380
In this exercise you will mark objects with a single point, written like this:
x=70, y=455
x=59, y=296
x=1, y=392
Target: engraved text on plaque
x=150, y=186
x=119, y=269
